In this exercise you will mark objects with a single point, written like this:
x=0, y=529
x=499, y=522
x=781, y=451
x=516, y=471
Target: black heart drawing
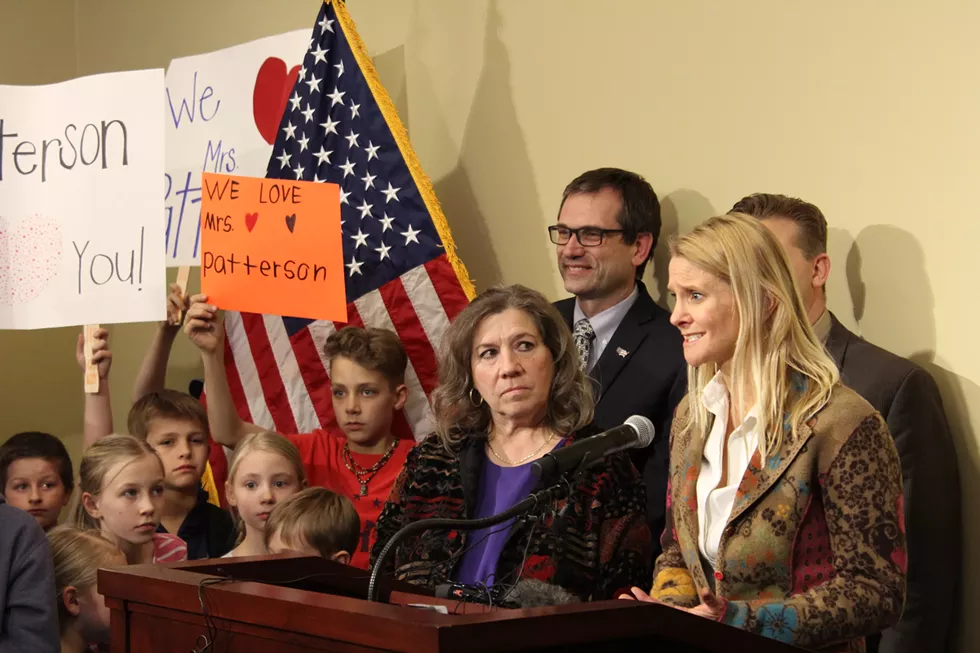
x=291, y=222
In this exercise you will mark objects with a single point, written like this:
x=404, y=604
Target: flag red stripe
x=265, y=364
x=353, y=318
x=447, y=286
x=314, y=378
x=410, y=332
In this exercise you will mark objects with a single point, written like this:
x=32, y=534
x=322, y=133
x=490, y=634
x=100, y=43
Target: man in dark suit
x=608, y=225
x=908, y=398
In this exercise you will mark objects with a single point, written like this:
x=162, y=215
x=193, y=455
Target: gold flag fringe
x=422, y=181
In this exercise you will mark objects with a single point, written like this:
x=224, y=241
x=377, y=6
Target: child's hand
x=177, y=304
x=203, y=326
x=101, y=356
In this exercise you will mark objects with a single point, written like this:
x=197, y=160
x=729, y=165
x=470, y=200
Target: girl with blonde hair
x=82, y=613
x=120, y=494
x=265, y=469
x=785, y=504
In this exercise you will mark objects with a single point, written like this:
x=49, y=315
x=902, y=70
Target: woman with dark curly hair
x=511, y=390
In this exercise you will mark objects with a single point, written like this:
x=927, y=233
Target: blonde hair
x=96, y=463
x=268, y=441
x=775, y=340
x=77, y=555
x=325, y=520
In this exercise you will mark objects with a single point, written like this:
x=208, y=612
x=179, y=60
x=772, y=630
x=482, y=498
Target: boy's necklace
x=363, y=475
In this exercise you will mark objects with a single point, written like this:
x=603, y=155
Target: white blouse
x=715, y=501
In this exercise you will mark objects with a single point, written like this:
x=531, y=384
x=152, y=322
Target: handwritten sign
x=272, y=246
x=222, y=111
x=80, y=230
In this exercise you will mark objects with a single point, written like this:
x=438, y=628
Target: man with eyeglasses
x=608, y=225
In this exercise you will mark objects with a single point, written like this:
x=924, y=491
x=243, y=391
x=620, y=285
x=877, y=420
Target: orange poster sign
x=272, y=246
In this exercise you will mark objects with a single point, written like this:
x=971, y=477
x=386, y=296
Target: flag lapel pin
x=622, y=352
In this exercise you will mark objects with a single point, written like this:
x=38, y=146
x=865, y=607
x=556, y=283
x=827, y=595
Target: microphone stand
x=540, y=498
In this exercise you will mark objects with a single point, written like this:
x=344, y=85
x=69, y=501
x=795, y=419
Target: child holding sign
x=175, y=425
x=367, y=373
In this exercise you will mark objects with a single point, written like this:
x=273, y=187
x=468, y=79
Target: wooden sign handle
x=91, y=369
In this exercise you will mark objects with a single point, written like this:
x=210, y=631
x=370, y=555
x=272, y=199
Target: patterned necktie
x=583, y=335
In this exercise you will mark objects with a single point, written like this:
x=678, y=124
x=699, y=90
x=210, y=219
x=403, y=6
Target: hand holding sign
x=272, y=246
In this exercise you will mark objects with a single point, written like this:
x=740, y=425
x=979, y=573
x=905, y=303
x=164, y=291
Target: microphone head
x=644, y=430
x=533, y=593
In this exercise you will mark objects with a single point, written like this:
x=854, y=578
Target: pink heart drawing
x=30, y=256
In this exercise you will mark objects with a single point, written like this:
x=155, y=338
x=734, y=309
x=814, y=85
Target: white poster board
x=222, y=111
x=80, y=229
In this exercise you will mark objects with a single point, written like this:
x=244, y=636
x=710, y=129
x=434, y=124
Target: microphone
x=533, y=593
x=528, y=593
x=637, y=433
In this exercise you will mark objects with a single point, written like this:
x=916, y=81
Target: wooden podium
x=275, y=604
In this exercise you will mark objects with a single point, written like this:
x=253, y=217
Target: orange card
x=272, y=246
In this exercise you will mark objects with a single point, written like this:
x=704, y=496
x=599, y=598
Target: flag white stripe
x=320, y=331
x=373, y=312
x=418, y=286
x=247, y=372
x=292, y=379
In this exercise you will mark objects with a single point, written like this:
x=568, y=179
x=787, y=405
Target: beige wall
x=867, y=109
x=40, y=384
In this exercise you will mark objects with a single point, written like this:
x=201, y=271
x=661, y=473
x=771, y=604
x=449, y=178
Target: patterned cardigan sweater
x=813, y=553
x=603, y=545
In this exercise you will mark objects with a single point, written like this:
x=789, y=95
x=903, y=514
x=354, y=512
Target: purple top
x=500, y=488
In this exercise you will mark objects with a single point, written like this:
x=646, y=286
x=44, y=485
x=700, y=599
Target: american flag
x=401, y=272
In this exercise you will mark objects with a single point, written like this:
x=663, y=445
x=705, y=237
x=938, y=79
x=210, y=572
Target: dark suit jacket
x=908, y=398
x=650, y=380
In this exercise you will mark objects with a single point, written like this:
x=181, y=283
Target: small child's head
x=315, y=522
x=265, y=469
x=175, y=425
x=36, y=475
x=78, y=555
x=367, y=379
x=120, y=490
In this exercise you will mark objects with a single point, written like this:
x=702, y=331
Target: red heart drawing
x=30, y=256
x=272, y=88
x=250, y=220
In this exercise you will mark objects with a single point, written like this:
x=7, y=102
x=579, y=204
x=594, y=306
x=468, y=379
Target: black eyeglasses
x=587, y=236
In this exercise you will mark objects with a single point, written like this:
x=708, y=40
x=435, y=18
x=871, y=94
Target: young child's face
x=129, y=504
x=262, y=480
x=276, y=545
x=34, y=485
x=93, y=614
x=364, y=401
x=183, y=449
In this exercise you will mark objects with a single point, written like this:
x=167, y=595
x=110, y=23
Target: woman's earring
x=476, y=402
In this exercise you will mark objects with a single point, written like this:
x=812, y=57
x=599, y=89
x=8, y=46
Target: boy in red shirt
x=367, y=379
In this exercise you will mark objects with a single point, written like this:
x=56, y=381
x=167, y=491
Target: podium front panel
x=289, y=604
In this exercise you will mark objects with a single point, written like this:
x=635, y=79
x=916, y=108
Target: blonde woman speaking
x=784, y=514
